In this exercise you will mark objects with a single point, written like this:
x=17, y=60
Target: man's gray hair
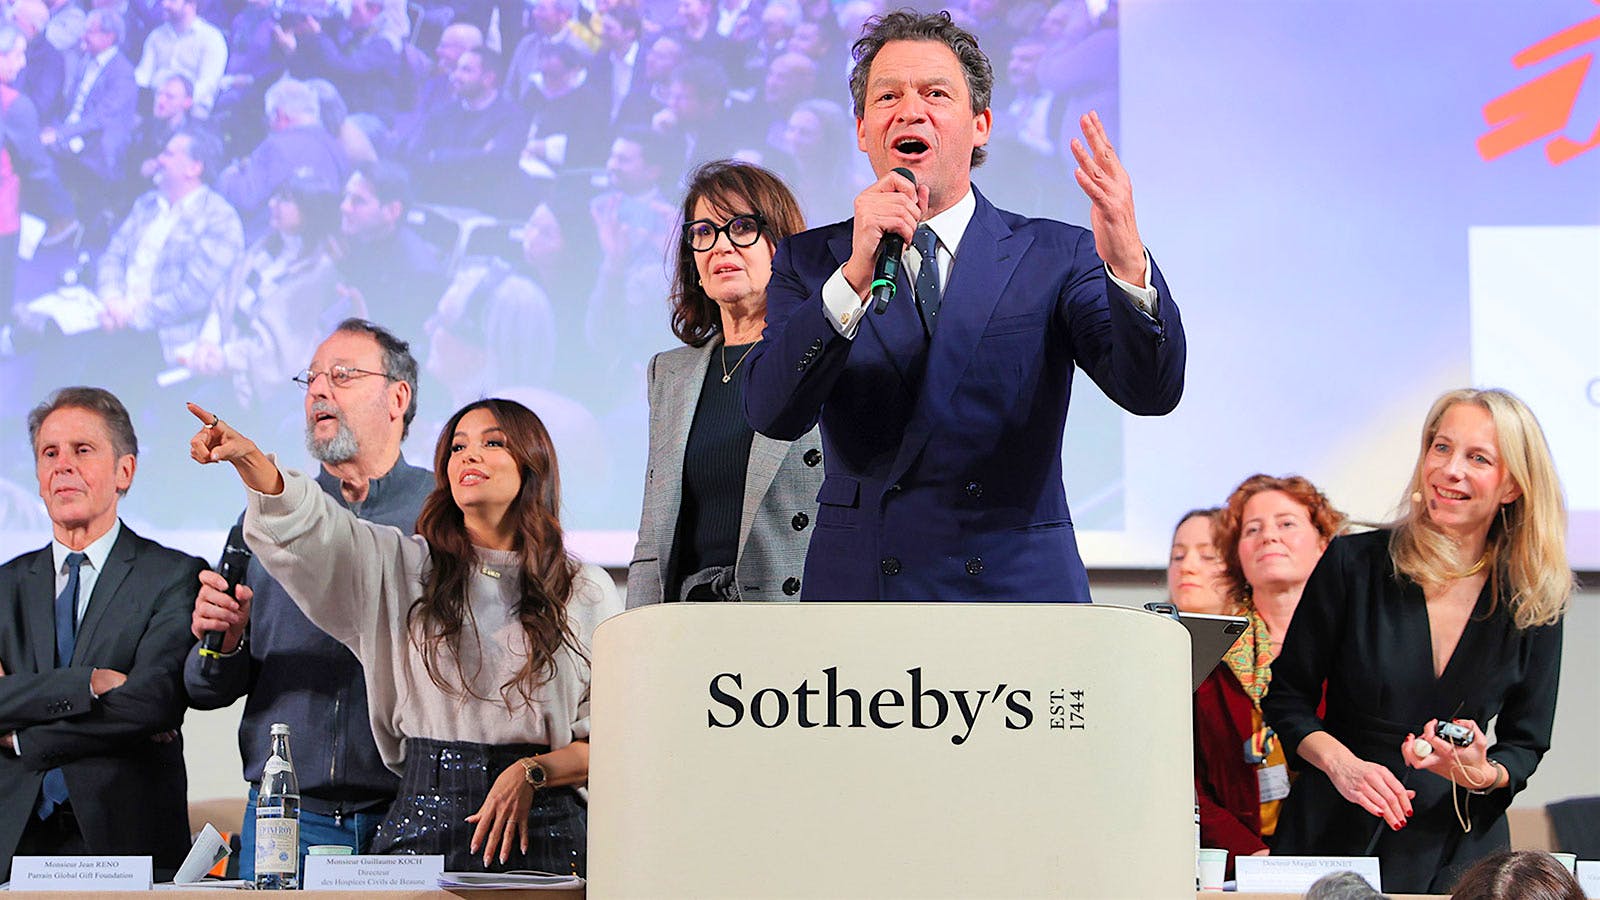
x=295, y=100
x=1343, y=886
x=398, y=363
x=108, y=20
x=99, y=401
x=910, y=25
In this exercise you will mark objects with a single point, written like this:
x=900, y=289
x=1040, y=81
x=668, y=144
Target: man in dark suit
x=93, y=632
x=942, y=419
x=97, y=123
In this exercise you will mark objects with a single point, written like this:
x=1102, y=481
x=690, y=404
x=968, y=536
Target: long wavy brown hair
x=436, y=620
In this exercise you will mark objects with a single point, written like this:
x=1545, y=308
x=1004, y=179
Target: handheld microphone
x=887, y=269
x=235, y=560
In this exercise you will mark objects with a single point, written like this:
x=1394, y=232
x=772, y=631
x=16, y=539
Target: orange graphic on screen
x=1542, y=107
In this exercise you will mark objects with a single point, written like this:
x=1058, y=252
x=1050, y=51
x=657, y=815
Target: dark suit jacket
x=944, y=459
x=43, y=78
x=109, y=114
x=129, y=793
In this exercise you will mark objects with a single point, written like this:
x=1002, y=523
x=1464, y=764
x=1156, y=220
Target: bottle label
x=274, y=765
x=277, y=846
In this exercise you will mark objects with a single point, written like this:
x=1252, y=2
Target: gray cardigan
x=780, y=491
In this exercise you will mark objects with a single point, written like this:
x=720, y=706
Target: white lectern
x=891, y=750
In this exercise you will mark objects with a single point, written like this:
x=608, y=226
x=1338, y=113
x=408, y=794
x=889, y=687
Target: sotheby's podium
x=891, y=750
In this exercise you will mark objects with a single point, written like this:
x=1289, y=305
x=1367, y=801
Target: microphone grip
x=886, y=272
x=235, y=562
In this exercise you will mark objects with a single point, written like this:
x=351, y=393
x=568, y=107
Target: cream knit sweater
x=356, y=580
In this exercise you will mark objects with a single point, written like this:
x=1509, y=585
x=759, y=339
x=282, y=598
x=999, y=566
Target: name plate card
x=1270, y=874
x=80, y=873
x=1589, y=877
x=373, y=873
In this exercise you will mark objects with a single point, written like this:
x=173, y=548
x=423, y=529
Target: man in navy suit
x=93, y=632
x=942, y=419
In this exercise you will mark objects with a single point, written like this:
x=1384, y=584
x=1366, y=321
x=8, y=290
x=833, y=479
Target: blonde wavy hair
x=1527, y=543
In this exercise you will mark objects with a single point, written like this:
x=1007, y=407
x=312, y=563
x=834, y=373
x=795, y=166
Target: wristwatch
x=534, y=772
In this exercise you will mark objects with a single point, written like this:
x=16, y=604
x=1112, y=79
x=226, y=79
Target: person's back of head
x=1518, y=875
x=1342, y=886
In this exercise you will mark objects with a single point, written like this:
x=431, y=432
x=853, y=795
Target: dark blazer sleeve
x=32, y=698
x=1522, y=729
x=152, y=700
x=1314, y=637
x=1136, y=359
x=29, y=697
x=800, y=356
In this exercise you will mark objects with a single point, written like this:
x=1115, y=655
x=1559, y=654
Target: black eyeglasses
x=338, y=376
x=742, y=231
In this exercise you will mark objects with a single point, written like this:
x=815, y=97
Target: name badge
x=373, y=873
x=1270, y=874
x=1273, y=782
x=80, y=873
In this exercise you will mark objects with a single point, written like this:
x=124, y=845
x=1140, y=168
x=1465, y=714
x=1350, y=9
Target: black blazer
x=130, y=793
x=109, y=113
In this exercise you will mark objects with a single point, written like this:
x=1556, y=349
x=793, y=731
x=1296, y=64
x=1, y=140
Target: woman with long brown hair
x=474, y=634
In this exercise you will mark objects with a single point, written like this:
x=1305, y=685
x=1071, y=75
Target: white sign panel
x=373, y=873
x=80, y=873
x=1268, y=874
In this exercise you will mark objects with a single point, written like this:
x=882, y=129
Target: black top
x=1364, y=629
x=714, y=463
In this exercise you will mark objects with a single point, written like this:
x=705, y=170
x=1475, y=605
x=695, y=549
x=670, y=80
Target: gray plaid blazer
x=780, y=491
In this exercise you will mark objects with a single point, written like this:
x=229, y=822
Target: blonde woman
x=1453, y=612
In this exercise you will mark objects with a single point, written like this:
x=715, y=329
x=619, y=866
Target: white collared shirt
x=844, y=306
x=88, y=573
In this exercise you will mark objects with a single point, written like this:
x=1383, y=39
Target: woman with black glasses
x=727, y=512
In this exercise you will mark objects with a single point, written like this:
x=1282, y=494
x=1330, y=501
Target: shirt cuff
x=16, y=744
x=555, y=149
x=842, y=304
x=1144, y=298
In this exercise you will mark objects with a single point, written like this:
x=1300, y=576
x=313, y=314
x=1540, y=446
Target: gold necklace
x=727, y=373
x=1476, y=567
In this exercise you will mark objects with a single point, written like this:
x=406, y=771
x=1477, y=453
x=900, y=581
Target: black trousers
x=446, y=781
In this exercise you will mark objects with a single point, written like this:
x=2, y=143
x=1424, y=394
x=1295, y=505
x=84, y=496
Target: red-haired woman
x=474, y=634
x=1271, y=532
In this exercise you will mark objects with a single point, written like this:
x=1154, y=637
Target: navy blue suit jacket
x=943, y=459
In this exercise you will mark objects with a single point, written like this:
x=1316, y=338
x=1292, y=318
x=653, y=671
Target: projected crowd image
x=199, y=190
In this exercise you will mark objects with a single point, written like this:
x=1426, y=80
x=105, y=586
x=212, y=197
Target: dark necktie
x=927, y=286
x=55, y=783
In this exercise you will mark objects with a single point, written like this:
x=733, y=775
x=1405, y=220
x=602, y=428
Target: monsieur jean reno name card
x=1297, y=873
x=373, y=873
x=80, y=873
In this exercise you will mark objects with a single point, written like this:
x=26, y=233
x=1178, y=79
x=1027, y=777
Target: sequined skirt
x=446, y=781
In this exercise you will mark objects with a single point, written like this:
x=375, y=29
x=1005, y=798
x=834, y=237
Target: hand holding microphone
x=886, y=216
x=222, y=607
